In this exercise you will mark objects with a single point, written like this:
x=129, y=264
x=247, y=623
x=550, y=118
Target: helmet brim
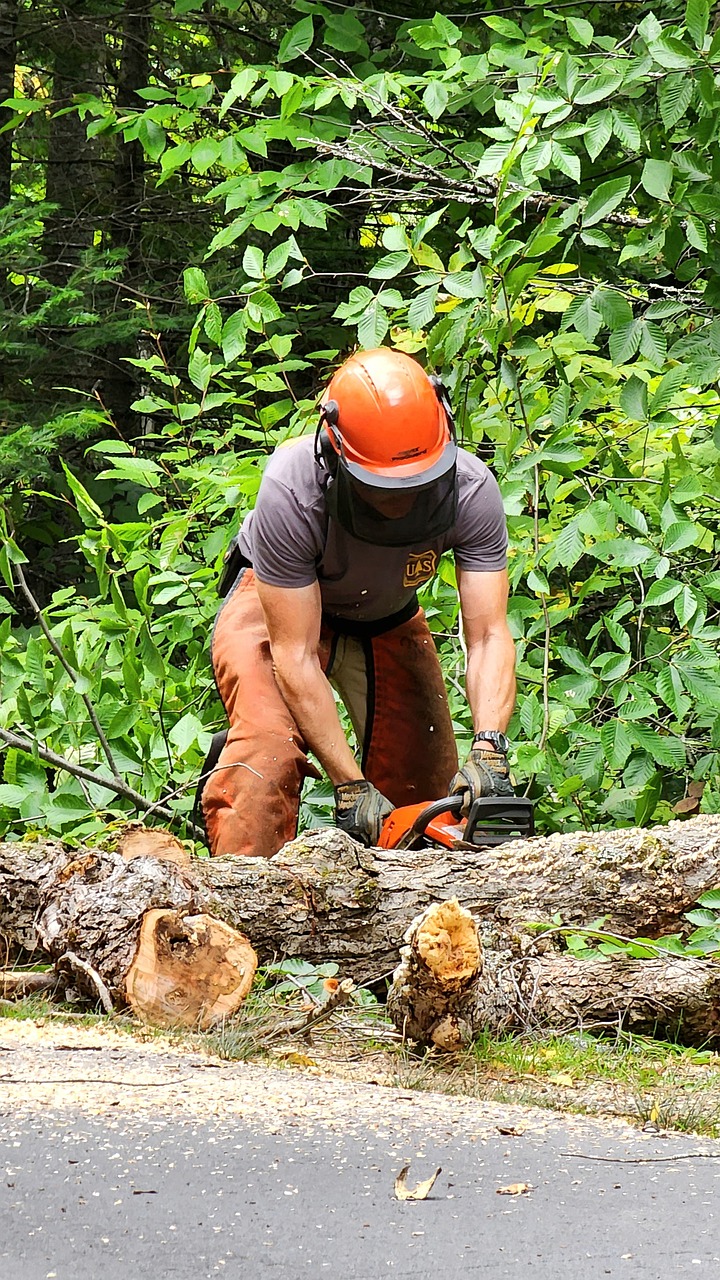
x=412, y=475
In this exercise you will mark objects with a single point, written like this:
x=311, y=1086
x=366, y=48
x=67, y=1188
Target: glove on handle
x=360, y=810
x=485, y=773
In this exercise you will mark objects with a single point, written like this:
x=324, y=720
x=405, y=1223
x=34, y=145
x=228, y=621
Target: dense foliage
x=528, y=203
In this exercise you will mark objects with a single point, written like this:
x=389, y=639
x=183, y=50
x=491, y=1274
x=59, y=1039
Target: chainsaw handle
x=448, y=804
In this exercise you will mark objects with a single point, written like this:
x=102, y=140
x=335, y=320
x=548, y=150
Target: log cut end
x=189, y=971
x=445, y=939
x=137, y=841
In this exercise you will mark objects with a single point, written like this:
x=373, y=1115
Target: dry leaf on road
x=515, y=1189
x=420, y=1192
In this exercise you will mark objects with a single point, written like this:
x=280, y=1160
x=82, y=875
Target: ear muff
x=325, y=455
x=444, y=399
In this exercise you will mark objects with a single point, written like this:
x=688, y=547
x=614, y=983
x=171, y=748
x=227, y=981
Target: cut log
x=449, y=988
x=93, y=909
x=137, y=841
x=325, y=897
x=189, y=971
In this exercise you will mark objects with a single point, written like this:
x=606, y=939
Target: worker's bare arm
x=293, y=618
x=490, y=648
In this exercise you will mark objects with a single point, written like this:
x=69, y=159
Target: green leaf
x=710, y=899
x=629, y=514
x=580, y=30
x=213, y=323
x=88, y=510
x=613, y=307
x=696, y=233
x=598, y=87
x=297, y=40
x=390, y=265
x=662, y=592
x=646, y=802
x=253, y=262
x=205, y=153
x=653, y=342
x=599, y=133
x=568, y=546
x=634, y=399
x=697, y=17
x=200, y=369
x=566, y=161
x=373, y=325
x=679, y=535
x=686, y=605
x=675, y=93
x=625, y=127
x=153, y=137
x=656, y=178
x=422, y=308
x=622, y=553
x=616, y=743
x=234, y=336
x=435, y=99
x=667, y=389
x=604, y=199
x=240, y=86
x=195, y=285
x=612, y=666
x=669, y=687
x=625, y=341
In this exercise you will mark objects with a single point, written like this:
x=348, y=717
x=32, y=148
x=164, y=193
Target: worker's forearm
x=490, y=681
x=309, y=697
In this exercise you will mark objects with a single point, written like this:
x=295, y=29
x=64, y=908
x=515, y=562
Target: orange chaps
x=392, y=686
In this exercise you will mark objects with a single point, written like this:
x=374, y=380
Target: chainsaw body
x=491, y=820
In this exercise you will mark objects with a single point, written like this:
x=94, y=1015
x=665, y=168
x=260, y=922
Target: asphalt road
x=100, y=1198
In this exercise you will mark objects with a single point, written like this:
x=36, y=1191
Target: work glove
x=360, y=810
x=485, y=773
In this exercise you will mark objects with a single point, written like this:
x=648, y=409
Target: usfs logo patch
x=420, y=567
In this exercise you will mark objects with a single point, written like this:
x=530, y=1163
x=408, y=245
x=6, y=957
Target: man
x=346, y=528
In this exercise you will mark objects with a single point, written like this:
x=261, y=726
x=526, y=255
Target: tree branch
x=32, y=747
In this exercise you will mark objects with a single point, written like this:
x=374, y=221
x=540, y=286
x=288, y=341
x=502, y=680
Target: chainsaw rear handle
x=448, y=804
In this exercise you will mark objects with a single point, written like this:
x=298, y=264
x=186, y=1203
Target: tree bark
x=325, y=897
x=125, y=925
x=449, y=987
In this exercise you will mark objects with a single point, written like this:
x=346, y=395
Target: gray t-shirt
x=291, y=542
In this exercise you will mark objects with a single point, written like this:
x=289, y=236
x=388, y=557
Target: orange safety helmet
x=386, y=438
x=389, y=423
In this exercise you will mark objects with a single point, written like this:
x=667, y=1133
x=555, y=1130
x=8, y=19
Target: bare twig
x=22, y=982
x=334, y=1001
x=684, y=1155
x=82, y=965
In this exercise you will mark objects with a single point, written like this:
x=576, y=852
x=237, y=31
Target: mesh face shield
x=397, y=516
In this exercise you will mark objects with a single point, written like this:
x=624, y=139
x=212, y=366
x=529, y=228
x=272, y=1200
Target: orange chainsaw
x=491, y=820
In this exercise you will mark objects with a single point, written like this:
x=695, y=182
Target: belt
x=374, y=627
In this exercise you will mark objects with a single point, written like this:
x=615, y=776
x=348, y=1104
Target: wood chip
x=515, y=1189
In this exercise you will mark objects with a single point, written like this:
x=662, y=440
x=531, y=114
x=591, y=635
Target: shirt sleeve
x=284, y=543
x=481, y=539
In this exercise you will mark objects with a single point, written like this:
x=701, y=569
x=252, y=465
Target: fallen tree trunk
x=325, y=897
x=449, y=987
